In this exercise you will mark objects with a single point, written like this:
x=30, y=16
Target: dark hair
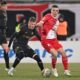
x=3, y=3
x=61, y=16
x=32, y=19
x=54, y=6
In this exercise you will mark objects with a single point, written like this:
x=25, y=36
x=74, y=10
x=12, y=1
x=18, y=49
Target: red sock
x=65, y=62
x=54, y=60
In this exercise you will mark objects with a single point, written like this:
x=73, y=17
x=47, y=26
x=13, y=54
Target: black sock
x=16, y=62
x=39, y=62
x=6, y=58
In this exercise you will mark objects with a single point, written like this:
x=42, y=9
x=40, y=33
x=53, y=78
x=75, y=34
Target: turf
x=32, y=72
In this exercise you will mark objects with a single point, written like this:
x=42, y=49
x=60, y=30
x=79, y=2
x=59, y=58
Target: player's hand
x=7, y=49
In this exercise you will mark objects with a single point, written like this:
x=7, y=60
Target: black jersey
x=3, y=19
x=22, y=37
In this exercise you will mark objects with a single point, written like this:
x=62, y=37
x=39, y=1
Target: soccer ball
x=46, y=72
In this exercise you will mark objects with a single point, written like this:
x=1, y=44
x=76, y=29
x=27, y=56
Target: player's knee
x=63, y=53
x=19, y=56
x=37, y=58
x=19, y=59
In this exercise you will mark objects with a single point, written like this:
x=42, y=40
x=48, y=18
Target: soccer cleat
x=67, y=72
x=10, y=72
x=6, y=69
x=42, y=72
x=54, y=72
x=46, y=72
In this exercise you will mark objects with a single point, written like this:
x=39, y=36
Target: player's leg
x=39, y=61
x=6, y=58
x=48, y=45
x=64, y=61
x=19, y=56
x=30, y=53
x=54, y=61
x=4, y=45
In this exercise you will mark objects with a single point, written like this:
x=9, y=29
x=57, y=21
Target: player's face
x=31, y=25
x=54, y=12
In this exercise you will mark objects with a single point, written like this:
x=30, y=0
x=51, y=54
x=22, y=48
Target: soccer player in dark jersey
x=20, y=44
x=3, y=26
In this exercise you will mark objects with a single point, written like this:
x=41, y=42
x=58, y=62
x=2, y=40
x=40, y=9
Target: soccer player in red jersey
x=49, y=24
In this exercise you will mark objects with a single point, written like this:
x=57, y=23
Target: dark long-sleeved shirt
x=22, y=37
x=3, y=19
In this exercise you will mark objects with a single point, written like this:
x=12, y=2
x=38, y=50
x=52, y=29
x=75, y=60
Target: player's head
x=54, y=10
x=3, y=5
x=32, y=23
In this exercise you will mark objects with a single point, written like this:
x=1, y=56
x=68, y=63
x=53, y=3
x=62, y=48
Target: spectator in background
x=20, y=23
x=62, y=30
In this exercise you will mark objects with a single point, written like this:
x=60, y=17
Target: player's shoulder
x=48, y=15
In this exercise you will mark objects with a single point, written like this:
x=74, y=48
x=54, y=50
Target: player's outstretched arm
x=39, y=24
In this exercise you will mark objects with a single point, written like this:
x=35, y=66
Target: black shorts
x=24, y=51
x=2, y=36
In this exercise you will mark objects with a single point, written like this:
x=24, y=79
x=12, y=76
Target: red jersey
x=48, y=25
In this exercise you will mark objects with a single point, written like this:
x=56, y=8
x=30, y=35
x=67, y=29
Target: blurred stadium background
x=69, y=8
x=38, y=8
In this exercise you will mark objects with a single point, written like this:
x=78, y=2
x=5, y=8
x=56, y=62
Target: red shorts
x=51, y=43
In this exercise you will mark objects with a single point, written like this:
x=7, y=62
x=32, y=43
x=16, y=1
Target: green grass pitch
x=31, y=72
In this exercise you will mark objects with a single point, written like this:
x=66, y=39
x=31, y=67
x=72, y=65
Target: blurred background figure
x=62, y=30
x=20, y=23
x=3, y=27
